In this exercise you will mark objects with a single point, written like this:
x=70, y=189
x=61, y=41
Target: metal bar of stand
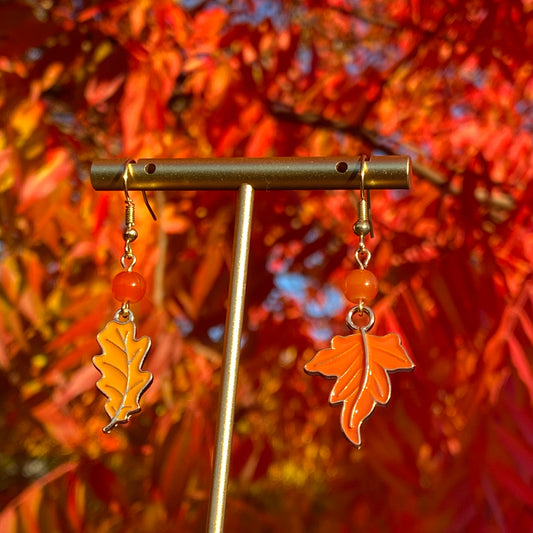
x=276, y=173
x=232, y=347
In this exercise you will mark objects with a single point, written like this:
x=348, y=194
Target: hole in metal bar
x=341, y=167
x=150, y=168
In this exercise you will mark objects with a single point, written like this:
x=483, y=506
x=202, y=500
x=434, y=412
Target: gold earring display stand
x=246, y=175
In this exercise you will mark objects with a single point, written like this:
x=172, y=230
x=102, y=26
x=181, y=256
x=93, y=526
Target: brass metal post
x=232, y=342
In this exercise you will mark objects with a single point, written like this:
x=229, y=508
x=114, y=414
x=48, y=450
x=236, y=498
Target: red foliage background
x=448, y=83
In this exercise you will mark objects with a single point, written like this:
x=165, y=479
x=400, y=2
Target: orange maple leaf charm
x=361, y=363
x=123, y=381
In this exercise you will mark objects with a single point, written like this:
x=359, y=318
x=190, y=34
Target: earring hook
x=362, y=172
x=125, y=177
x=364, y=159
x=363, y=226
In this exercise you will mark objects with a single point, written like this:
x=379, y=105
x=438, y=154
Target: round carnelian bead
x=360, y=285
x=128, y=287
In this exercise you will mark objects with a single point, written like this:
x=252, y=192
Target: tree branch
x=286, y=113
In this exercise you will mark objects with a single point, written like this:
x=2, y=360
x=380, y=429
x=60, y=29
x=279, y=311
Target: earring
x=360, y=362
x=123, y=381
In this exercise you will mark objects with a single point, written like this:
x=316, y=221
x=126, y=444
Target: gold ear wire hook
x=125, y=176
x=147, y=204
x=362, y=172
x=369, y=210
x=129, y=201
x=363, y=226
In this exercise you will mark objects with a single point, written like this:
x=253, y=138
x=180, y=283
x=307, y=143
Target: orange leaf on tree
x=361, y=364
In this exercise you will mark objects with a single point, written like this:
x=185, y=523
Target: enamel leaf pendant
x=361, y=363
x=123, y=381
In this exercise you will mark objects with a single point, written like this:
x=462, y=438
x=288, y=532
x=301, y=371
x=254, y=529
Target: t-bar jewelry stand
x=245, y=175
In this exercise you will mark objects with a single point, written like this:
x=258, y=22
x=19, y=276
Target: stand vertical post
x=232, y=342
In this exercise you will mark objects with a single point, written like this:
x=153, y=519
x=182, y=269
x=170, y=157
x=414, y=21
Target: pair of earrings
x=360, y=362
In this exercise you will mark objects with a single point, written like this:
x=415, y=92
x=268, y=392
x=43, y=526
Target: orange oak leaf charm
x=361, y=363
x=123, y=381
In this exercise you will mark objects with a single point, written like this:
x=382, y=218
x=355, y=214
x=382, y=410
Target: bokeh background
x=447, y=82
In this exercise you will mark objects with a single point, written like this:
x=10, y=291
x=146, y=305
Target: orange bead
x=128, y=287
x=360, y=285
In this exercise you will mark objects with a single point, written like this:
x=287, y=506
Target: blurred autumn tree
x=447, y=82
